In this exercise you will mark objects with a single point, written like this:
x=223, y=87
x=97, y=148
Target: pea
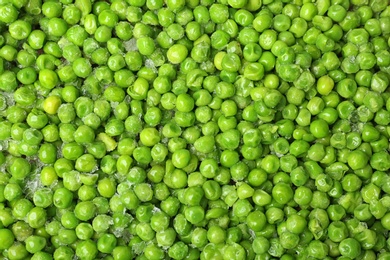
x=194, y=123
x=7, y=238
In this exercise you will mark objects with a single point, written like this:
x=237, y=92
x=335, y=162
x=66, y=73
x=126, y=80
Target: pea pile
x=194, y=129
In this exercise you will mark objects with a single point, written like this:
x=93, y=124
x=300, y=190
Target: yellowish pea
x=51, y=104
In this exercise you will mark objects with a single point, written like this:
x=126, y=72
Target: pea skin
x=198, y=129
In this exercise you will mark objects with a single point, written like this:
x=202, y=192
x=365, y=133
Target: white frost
x=150, y=64
x=131, y=45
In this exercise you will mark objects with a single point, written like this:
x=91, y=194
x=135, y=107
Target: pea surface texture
x=194, y=129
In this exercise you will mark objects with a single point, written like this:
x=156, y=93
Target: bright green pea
x=350, y=247
x=87, y=249
x=319, y=128
x=282, y=193
x=9, y=13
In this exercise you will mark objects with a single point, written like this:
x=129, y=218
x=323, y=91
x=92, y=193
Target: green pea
x=350, y=247
x=282, y=193
x=10, y=13
x=86, y=249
